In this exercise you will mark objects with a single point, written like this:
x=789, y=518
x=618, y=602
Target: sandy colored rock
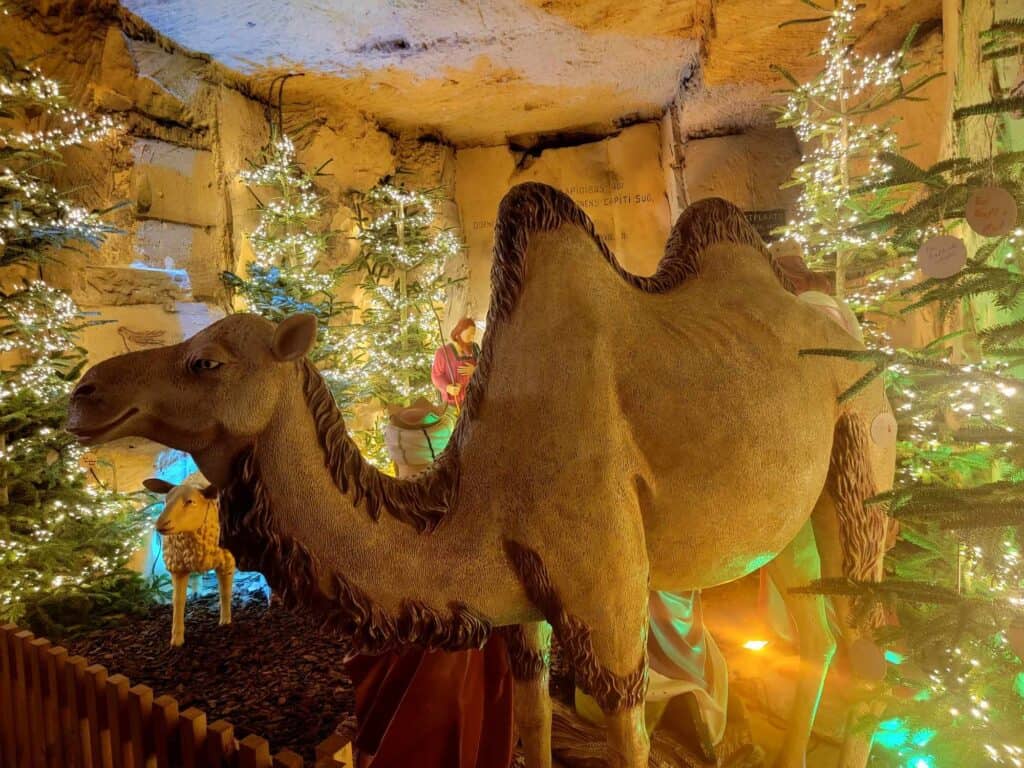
x=91, y=284
x=746, y=169
x=193, y=251
x=174, y=183
x=356, y=152
x=473, y=73
x=617, y=181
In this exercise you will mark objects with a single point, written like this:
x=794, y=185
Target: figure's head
x=464, y=331
x=219, y=388
x=187, y=507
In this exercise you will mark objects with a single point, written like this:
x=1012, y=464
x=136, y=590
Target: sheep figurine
x=190, y=527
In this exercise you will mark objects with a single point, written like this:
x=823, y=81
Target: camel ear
x=210, y=492
x=156, y=485
x=294, y=337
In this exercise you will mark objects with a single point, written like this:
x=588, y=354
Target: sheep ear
x=156, y=485
x=294, y=337
x=210, y=492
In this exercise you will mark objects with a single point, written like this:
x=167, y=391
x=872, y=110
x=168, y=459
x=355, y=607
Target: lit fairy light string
x=60, y=530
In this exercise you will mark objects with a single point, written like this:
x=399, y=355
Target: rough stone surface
x=746, y=169
x=517, y=70
x=94, y=285
x=475, y=73
x=174, y=183
x=617, y=181
x=357, y=154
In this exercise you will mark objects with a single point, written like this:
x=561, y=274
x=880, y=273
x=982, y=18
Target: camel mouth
x=89, y=435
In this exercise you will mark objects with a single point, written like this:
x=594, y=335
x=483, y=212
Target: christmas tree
x=955, y=578
x=844, y=164
x=401, y=261
x=64, y=541
x=290, y=273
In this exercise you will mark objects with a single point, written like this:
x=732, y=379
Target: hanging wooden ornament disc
x=942, y=256
x=883, y=429
x=991, y=211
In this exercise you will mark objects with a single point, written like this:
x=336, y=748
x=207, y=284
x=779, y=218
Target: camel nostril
x=83, y=390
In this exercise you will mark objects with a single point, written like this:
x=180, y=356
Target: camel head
x=210, y=394
x=187, y=507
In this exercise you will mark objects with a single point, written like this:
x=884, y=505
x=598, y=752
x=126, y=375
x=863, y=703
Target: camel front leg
x=179, y=581
x=529, y=656
x=797, y=566
x=225, y=581
x=602, y=632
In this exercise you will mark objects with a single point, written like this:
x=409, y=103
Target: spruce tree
x=955, y=578
x=64, y=539
x=401, y=263
x=290, y=272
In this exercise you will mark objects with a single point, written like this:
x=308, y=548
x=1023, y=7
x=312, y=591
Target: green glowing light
x=892, y=734
x=758, y=562
x=921, y=761
x=893, y=657
x=923, y=736
x=1019, y=685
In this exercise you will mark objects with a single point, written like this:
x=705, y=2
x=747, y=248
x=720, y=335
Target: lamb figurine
x=190, y=528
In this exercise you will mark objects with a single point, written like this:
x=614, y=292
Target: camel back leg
x=529, y=648
x=602, y=634
x=851, y=539
x=796, y=566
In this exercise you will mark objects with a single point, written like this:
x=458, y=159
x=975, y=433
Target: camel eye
x=189, y=501
x=202, y=364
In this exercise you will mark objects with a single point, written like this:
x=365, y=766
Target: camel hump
x=534, y=207
x=708, y=222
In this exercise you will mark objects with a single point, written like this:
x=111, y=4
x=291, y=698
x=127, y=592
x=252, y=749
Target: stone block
x=92, y=285
x=618, y=182
x=746, y=169
x=173, y=183
x=117, y=68
x=197, y=251
x=359, y=155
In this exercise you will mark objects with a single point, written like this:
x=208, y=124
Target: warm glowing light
x=755, y=645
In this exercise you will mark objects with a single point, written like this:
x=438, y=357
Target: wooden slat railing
x=57, y=711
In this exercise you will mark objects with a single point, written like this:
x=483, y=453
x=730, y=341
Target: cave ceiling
x=479, y=72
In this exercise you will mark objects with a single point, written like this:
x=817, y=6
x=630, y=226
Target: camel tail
x=862, y=527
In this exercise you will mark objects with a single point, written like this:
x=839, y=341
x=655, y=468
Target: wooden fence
x=58, y=711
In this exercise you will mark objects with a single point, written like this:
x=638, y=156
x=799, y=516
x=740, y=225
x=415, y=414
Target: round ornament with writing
x=991, y=211
x=883, y=429
x=88, y=460
x=942, y=256
x=867, y=661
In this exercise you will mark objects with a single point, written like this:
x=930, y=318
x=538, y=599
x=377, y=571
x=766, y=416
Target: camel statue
x=621, y=434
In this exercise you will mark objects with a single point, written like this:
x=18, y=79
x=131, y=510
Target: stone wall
x=617, y=181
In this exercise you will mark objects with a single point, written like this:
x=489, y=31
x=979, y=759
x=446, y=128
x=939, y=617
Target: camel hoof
x=177, y=641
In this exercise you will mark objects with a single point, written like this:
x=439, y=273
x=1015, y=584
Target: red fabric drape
x=435, y=709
